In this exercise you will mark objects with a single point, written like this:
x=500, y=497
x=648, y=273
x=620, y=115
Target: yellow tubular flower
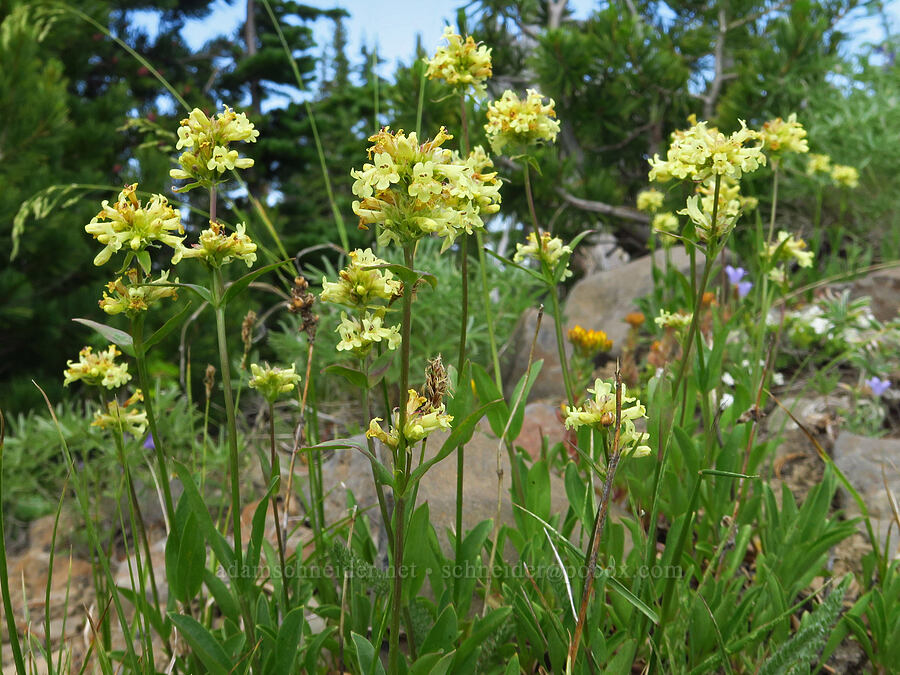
x=779, y=137
x=207, y=140
x=358, y=285
x=650, y=201
x=600, y=410
x=128, y=224
x=677, y=321
x=789, y=247
x=702, y=152
x=551, y=249
x=414, y=189
x=132, y=298
x=217, y=247
x=461, y=64
x=359, y=334
x=521, y=124
x=422, y=418
x=665, y=224
x=272, y=381
x=125, y=417
x=98, y=369
x=845, y=175
x=818, y=164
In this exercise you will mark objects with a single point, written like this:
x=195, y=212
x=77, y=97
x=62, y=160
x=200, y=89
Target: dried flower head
x=130, y=225
x=413, y=189
x=779, y=136
x=126, y=417
x=98, y=369
x=126, y=294
x=208, y=141
x=301, y=303
x=209, y=380
x=217, y=247
x=437, y=382
x=520, y=124
x=589, y=343
x=273, y=381
x=650, y=201
x=701, y=152
x=461, y=64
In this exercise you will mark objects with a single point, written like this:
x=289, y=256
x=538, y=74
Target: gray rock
x=597, y=302
x=862, y=459
x=883, y=287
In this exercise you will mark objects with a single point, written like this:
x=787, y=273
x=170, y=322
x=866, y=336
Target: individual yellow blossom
x=130, y=225
x=422, y=418
x=462, y=63
x=511, y=121
x=98, y=369
x=779, y=137
x=550, y=251
x=273, y=381
x=650, y=201
x=816, y=163
x=600, y=410
x=588, y=343
x=207, y=140
x=778, y=275
x=361, y=286
x=123, y=417
x=133, y=297
x=217, y=247
x=359, y=334
x=701, y=152
x=845, y=175
x=678, y=321
x=789, y=247
x=726, y=216
x=414, y=189
x=633, y=442
x=665, y=224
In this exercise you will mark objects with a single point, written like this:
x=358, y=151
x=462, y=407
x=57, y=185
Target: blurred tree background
x=78, y=111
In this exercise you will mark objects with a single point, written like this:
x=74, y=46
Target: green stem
x=488, y=314
x=140, y=357
x=11, y=627
x=276, y=474
x=379, y=488
x=774, y=202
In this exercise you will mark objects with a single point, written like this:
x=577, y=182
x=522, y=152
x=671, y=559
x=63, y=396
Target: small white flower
x=727, y=400
x=727, y=379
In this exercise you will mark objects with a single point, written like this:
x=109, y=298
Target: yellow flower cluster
x=273, y=381
x=462, y=63
x=665, y=224
x=520, y=124
x=413, y=189
x=788, y=247
x=128, y=224
x=208, y=141
x=845, y=175
x=551, y=249
x=98, y=369
x=369, y=292
x=217, y=247
x=677, y=321
x=422, y=418
x=779, y=137
x=599, y=412
x=129, y=419
x=133, y=297
x=817, y=163
x=702, y=152
x=588, y=343
x=650, y=201
x=359, y=285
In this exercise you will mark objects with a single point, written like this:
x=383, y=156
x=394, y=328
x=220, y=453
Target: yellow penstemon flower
x=126, y=416
x=359, y=333
x=128, y=224
x=413, y=189
x=780, y=137
x=701, y=152
x=520, y=123
x=272, y=381
x=422, y=418
x=133, y=297
x=788, y=247
x=217, y=247
x=461, y=63
x=359, y=285
x=97, y=369
x=650, y=201
x=550, y=250
x=599, y=412
x=207, y=142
